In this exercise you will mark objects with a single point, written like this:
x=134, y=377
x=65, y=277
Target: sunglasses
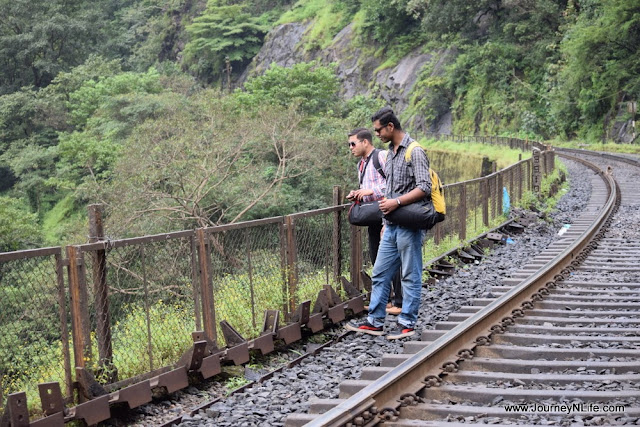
x=377, y=130
x=351, y=144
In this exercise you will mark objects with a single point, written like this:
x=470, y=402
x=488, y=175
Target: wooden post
x=206, y=288
x=356, y=255
x=80, y=326
x=64, y=329
x=101, y=294
x=284, y=263
x=536, y=176
x=292, y=261
x=337, y=235
x=462, y=213
x=499, y=194
x=195, y=282
x=484, y=189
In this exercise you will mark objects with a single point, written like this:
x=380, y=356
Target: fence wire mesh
x=146, y=320
x=248, y=275
x=317, y=240
x=33, y=325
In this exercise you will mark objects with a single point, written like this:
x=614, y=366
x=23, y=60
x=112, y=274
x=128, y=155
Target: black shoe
x=400, y=332
x=366, y=327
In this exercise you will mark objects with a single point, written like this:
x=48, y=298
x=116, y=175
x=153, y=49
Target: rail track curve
x=570, y=316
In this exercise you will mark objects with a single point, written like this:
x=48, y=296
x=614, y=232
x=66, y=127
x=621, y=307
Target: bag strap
x=407, y=154
x=376, y=163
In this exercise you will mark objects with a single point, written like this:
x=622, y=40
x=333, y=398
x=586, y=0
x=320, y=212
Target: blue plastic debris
x=506, y=201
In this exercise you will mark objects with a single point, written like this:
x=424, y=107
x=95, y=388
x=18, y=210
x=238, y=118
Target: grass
x=504, y=156
x=610, y=147
x=327, y=19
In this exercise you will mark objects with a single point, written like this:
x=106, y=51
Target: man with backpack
x=372, y=187
x=401, y=246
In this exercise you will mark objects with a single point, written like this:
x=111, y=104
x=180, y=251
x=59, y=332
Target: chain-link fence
x=131, y=305
x=34, y=329
x=247, y=274
x=142, y=303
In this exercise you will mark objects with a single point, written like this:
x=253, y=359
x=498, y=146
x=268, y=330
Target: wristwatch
x=398, y=200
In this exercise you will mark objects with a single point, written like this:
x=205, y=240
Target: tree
x=201, y=164
x=18, y=227
x=222, y=32
x=311, y=86
x=40, y=38
x=599, y=67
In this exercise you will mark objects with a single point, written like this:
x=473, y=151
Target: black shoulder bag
x=367, y=213
x=420, y=215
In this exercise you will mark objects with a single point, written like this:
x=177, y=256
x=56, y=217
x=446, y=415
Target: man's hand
x=359, y=194
x=388, y=205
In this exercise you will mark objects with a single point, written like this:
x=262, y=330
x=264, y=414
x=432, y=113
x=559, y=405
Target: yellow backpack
x=437, y=192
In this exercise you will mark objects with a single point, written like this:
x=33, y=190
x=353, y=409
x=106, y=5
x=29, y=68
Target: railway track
x=559, y=344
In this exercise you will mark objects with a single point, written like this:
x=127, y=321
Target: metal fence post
x=292, y=258
x=101, y=295
x=337, y=235
x=484, y=189
x=500, y=186
x=462, y=212
x=206, y=288
x=356, y=255
x=64, y=329
x=80, y=326
x=195, y=282
x=536, y=175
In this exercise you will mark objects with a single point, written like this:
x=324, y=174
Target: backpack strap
x=407, y=154
x=376, y=163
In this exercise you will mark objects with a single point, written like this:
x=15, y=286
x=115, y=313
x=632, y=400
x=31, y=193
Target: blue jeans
x=399, y=247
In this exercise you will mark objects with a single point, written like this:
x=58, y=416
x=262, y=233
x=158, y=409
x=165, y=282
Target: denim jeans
x=400, y=246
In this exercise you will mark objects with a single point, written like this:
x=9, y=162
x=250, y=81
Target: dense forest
x=140, y=105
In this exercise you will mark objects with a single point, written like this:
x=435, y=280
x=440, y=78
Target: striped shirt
x=372, y=179
x=400, y=177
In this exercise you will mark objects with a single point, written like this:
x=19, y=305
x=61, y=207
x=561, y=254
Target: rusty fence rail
x=125, y=310
x=514, y=143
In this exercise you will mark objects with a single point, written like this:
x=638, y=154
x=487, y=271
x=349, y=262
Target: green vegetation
x=122, y=103
x=221, y=34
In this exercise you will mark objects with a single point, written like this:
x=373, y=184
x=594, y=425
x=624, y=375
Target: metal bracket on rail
x=465, y=257
x=51, y=398
x=410, y=399
x=174, y=380
x=264, y=343
x=477, y=256
x=366, y=281
x=495, y=237
x=197, y=359
x=303, y=316
x=238, y=347
x=93, y=411
x=336, y=309
x=16, y=413
x=432, y=381
x=356, y=299
x=389, y=414
x=292, y=332
x=134, y=395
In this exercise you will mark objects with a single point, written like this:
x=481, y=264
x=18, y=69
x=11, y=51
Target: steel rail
x=409, y=376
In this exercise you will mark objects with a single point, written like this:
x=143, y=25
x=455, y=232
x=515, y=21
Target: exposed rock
x=357, y=73
x=623, y=128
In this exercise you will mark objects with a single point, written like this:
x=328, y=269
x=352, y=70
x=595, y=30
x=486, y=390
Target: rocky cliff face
x=357, y=72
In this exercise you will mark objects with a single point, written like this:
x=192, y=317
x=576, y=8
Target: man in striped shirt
x=372, y=188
